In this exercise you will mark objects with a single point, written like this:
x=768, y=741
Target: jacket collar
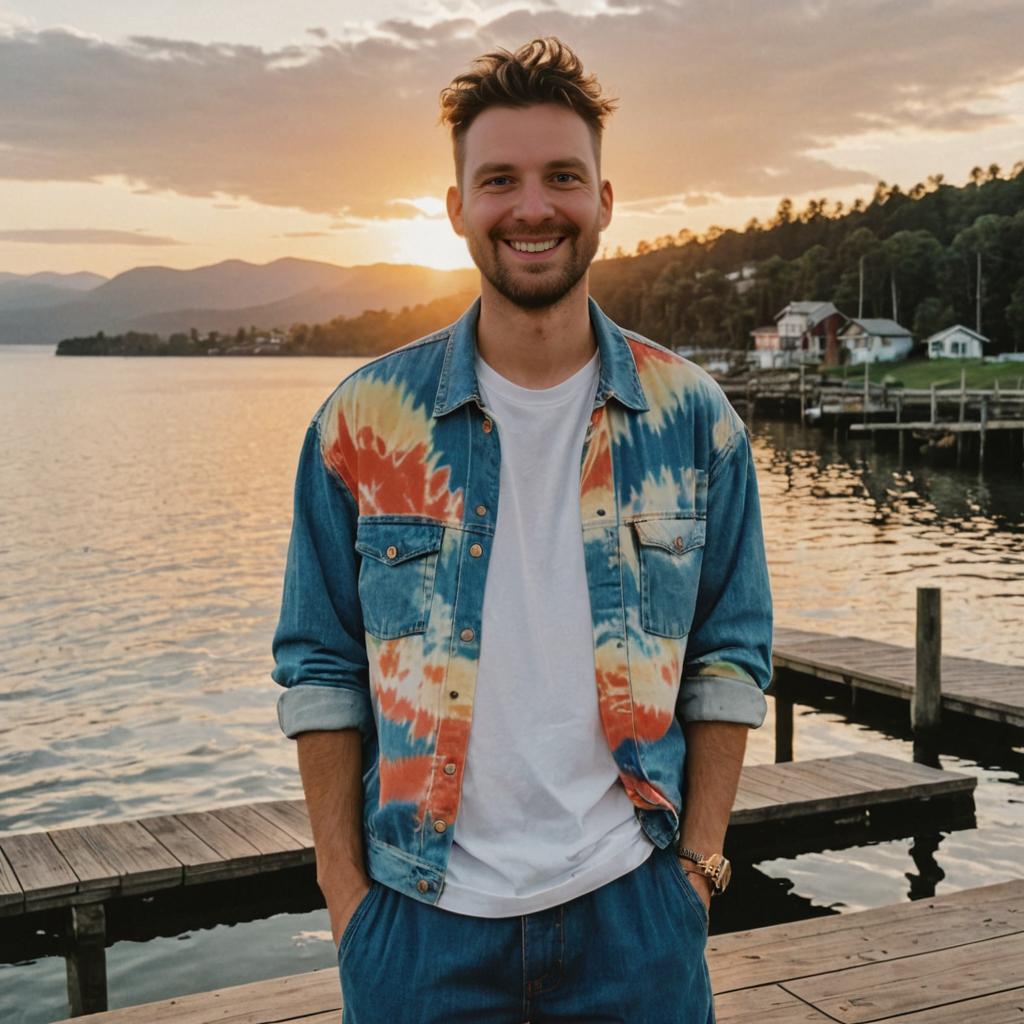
x=618, y=377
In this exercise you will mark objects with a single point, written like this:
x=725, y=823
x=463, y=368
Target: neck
x=535, y=348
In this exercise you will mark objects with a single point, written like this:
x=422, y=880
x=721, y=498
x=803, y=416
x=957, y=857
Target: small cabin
x=957, y=342
x=875, y=341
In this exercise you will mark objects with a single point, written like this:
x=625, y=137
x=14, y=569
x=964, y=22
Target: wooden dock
x=946, y=960
x=978, y=689
x=79, y=870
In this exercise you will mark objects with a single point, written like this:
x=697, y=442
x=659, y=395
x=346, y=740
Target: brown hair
x=542, y=71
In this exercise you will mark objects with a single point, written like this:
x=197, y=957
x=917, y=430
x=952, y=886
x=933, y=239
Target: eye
x=566, y=174
x=499, y=178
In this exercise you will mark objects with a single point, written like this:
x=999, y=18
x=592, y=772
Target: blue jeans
x=630, y=952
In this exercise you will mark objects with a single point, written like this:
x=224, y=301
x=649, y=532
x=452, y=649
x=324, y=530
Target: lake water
x=144, y=515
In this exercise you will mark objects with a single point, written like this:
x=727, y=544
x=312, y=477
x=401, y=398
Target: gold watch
x=714, y=866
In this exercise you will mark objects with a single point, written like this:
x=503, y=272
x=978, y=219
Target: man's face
x=530, y=177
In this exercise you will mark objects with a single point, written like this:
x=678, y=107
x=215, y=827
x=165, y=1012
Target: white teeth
x=534, y=246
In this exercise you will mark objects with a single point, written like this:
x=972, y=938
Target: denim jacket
x=395, y=501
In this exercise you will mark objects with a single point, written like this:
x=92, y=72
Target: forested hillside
x=925, y=241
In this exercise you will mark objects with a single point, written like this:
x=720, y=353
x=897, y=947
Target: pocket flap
x=676, y=536
x=392, y=542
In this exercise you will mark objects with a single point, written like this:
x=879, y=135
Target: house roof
x=942, y=335
x=879, y=327
x=769, y=329
x=814, y=311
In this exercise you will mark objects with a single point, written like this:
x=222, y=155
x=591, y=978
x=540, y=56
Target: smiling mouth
x=533, y=248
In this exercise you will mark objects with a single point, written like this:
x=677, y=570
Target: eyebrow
x=496, y=168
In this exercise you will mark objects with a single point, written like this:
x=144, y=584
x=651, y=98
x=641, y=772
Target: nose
x=532, y=204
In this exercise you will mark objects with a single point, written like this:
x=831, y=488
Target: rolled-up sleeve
x=728, y=662
x=318, y=647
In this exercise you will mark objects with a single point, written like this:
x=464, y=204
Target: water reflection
x=851, y=535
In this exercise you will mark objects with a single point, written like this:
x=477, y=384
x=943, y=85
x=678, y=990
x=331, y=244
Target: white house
x=957, y=342
x=767, y=354
x=875, y=341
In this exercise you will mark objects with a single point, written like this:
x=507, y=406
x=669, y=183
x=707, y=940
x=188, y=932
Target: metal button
x=440, y=826
x=475, y=550
x=481, y=510
x=600, y=511
x=467, y=635
x=487, y=426
x=422, y=886
x=391, y=551
x=453, y=694
x=678, y=543
x=449, y=768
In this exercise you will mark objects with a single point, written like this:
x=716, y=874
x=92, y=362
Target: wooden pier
x=79, y=871
x=977, y=689
x=946, y=960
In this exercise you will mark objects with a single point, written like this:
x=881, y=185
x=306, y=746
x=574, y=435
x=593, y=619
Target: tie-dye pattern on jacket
x=395, y=500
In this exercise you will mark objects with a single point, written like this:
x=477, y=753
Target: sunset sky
x=183, y=134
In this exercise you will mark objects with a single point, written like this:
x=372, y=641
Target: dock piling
x=783, y=722
x=926, y=705
x=86, y=959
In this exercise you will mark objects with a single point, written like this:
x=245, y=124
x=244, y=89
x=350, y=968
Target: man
x=526, y=588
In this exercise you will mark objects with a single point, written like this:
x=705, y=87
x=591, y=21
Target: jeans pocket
x=356, y=917
x=690, y=895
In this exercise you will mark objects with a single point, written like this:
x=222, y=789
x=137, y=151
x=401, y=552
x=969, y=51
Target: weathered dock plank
x=121, y=856
x=893, y=987
x=796, y=789
x=197, y=858
x=271, y=841
x=822, y=945
x=970, y=686
x=238, y=856
x=40, y=868
x=12, y=896
x=946, y=960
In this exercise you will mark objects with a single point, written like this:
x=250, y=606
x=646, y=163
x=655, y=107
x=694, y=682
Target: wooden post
x=86, y=959
x=899, y=419
x=935, y=403
x=783, y=722
x=867, y=389
x=926, y=705
x=981, y=434
x=803, y=417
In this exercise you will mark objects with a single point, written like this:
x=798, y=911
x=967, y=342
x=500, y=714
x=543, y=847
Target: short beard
x=582, y=250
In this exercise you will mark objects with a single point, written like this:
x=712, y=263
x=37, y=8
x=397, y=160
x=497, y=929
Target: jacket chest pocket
x=670, y=558
x=396, y=577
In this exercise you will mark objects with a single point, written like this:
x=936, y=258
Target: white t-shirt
x=544, y=817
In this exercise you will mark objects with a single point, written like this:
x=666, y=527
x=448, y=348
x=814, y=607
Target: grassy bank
x=922, y=373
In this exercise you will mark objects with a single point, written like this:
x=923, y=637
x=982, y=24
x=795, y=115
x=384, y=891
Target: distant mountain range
x=44, y=308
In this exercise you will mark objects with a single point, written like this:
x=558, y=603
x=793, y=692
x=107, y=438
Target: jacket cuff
x=310, y=706
x=708, y=698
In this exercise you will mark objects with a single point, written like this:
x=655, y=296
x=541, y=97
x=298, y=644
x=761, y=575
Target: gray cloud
x=731, y=98
x=84, y=236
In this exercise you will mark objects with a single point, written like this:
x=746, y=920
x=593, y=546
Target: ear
x=606, y=203
x=454, y=203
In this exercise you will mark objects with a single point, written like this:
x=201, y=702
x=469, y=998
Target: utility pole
x=977, y=316
x=895, y=311
x=860, y=300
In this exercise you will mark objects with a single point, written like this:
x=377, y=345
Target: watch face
x=721, y=871
x=726, y=875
